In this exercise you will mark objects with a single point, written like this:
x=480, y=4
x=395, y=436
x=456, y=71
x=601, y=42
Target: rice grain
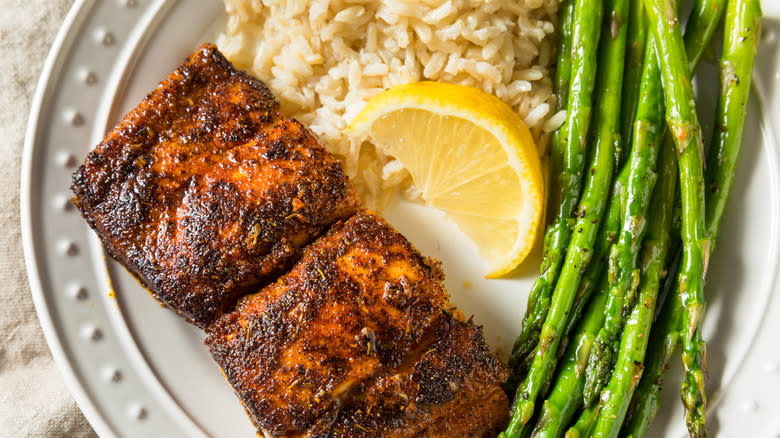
x=324, y=59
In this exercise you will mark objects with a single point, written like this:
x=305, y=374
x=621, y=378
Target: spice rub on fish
x=355, y=341
x=449, y=388
x=205, y=192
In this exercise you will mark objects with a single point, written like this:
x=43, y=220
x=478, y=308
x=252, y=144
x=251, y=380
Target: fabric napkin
x=34, y=401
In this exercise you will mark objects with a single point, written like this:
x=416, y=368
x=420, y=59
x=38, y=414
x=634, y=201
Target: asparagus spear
x=623, y=275
x=589, y=212
x=583, y=428
x=635, y=57
x=742, y=27
x=557, y=235
x=684, y=126
x=701, y=25
x=591, y=279
x=636, y=44
x=592, y=276
x=664, y=336
x=565, y=397
x=650, y=125
x=741, y=32
x=628, y=368
x=623, y=257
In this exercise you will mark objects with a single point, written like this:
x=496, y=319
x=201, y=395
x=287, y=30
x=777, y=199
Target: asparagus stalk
x=623, y=275
x=568, y=386
x=742, y=27
x=606, y=237
x=701, y=25
x=704, y=18
x=649, y=125
x=591, y=279
x=589, y=212
x=566, y=395
x=557, y=235
x=635, y=57
x=741, y=32
x=628, y=368
x=583, y=428
x=664, y=336
x=632, y=82
x=684, y=126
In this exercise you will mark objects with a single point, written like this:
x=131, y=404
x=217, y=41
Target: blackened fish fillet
x=205, y=193
x=358, y=322
x=448, y=388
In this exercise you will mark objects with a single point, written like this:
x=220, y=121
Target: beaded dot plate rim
x=137, y=408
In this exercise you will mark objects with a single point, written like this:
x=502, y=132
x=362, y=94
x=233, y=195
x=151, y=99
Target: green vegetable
x=623, y=273
x=557, y=235
x=702, y=22
x=591, y=206
x=583, y=427
x=742, y=29
x=633, y=344
x=684, y=126
x=566, y=394
x=610, y=226
x=742, y=26
x=635, y=60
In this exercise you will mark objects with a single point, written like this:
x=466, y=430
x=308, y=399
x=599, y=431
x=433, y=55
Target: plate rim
x=50, y=332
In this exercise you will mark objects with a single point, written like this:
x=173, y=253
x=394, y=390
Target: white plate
x=137, y=369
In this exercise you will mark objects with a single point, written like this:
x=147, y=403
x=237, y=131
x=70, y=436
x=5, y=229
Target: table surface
x=34, y=401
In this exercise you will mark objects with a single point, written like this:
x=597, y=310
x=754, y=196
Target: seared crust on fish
x=358, y=300
x=205, y=193
x=453, y=376
x=354, y=338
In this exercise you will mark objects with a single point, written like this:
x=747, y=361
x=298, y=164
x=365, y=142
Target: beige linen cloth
x=34, y=401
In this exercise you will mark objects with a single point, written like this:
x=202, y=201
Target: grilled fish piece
x=205, y=193
x=357, y=302
x=449, y=388
x=483, y=417
x=360, y=314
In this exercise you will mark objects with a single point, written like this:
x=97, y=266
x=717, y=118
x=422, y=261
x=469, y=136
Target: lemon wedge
x=469, y=155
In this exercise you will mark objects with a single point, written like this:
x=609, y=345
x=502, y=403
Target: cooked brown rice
x=324, y=59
